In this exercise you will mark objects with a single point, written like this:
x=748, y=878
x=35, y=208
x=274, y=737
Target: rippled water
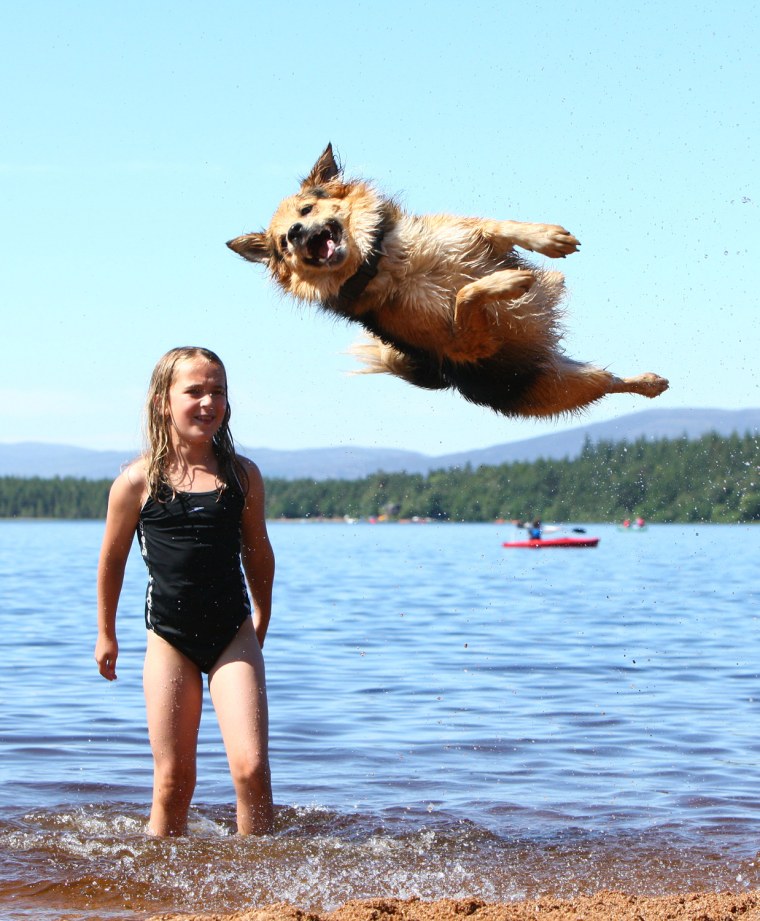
x=448, y=718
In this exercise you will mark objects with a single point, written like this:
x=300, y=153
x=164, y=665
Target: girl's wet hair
x=158, y=426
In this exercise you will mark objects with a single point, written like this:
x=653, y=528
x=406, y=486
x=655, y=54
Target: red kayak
x=554, y=542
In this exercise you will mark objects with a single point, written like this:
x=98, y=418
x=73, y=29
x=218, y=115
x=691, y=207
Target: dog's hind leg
x=648, y=385
x=570, y=385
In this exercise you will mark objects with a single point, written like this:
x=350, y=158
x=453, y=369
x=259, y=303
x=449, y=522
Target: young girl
x=198, y=510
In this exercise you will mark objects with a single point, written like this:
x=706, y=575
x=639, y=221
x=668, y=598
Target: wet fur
x=453, y=304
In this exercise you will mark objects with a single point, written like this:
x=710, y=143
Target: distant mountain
x=49, y=460
x=651, y=424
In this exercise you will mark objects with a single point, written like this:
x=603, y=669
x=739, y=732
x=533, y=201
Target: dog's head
x=318, y=237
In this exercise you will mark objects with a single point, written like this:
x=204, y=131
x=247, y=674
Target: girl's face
x=197, y=400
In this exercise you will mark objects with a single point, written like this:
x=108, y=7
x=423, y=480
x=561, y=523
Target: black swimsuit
x=196, y=598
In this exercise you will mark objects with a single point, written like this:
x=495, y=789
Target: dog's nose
x=296, y=231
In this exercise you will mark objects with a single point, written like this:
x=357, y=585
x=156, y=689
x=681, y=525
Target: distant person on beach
x=197, y=508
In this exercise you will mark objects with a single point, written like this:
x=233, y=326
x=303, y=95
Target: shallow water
x=449, y=718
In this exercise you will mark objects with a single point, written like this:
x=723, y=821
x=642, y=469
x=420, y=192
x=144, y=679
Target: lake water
x=448, y=718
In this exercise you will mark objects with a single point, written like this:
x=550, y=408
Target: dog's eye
x=305, y=210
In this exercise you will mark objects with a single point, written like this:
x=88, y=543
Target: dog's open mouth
x=323, y=247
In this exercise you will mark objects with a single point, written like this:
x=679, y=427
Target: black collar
x=352, y=290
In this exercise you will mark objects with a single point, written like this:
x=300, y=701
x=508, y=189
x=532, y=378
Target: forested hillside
x=57, y=497
x=710, y=479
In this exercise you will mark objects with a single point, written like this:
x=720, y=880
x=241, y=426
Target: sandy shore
x=605, y=906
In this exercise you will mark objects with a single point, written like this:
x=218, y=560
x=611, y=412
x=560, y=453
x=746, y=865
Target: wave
x=96, y=858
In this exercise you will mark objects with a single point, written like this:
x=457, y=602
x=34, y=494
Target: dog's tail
x=512, y=382
x=419, y=369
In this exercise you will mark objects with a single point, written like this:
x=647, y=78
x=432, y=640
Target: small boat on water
x=543, y=542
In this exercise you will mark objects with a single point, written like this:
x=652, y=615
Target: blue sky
x=137, y=138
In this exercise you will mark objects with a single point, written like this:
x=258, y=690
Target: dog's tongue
x=328, y=249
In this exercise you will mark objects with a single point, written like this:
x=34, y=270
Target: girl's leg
x=238, y=691
x=173, y=699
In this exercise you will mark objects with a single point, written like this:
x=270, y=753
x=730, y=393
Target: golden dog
x=447, y=301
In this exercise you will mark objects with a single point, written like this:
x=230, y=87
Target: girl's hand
x=106, y=653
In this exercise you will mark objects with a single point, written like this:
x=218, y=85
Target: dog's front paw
x=553, y=241
x=517, y=283
x=507, y=285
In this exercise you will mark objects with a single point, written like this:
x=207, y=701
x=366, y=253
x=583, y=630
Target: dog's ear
x=325, y=169
x=251, y=246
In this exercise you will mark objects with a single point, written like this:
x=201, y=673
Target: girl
x=198, y=510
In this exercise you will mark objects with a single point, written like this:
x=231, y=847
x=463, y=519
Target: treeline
x=671, y=480
x=712, y=479
x=56, y=497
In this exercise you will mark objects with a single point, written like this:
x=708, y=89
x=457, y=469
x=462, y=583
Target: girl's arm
x=256, y=552
x=123, y=513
